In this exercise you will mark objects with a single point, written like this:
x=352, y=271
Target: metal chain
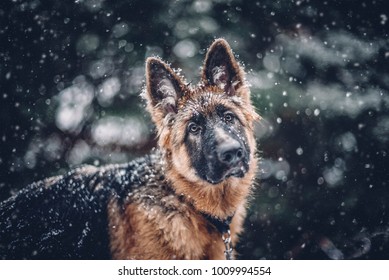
x=228, y=245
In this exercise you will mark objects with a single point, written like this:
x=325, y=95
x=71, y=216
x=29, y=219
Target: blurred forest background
x=71, y=73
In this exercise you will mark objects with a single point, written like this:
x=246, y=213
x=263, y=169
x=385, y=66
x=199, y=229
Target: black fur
x=65, y=217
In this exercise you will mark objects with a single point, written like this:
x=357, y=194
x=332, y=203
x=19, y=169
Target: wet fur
x=151, y=208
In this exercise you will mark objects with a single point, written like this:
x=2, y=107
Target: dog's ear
x=221, y=68
x=163, y=87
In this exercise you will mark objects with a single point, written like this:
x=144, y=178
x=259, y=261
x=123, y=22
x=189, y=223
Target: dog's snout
x=230, y=153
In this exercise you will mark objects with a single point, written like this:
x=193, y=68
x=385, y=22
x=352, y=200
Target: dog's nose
x=230, y=153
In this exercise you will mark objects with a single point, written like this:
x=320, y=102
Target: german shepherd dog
x=176, y=203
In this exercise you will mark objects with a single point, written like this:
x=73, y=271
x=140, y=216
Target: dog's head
x=207, y=130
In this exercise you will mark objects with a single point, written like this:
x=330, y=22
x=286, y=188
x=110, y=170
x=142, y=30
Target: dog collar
x=223, y=226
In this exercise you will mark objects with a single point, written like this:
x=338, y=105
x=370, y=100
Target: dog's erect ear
x=163, y=86
x=221, y=68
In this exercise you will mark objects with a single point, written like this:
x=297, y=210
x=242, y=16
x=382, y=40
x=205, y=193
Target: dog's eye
x=229, y=117
x=194, y=128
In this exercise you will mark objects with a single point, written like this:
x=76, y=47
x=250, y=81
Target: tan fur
x=144, y=228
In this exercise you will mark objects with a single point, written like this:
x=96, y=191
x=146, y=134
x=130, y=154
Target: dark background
x=71, y=73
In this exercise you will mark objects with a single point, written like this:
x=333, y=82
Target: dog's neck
x=220, y=201
x=223, y=226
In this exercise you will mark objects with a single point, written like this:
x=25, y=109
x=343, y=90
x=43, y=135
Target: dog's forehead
x=204, y=103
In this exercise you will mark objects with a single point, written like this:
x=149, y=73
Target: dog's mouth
x=237, y=171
